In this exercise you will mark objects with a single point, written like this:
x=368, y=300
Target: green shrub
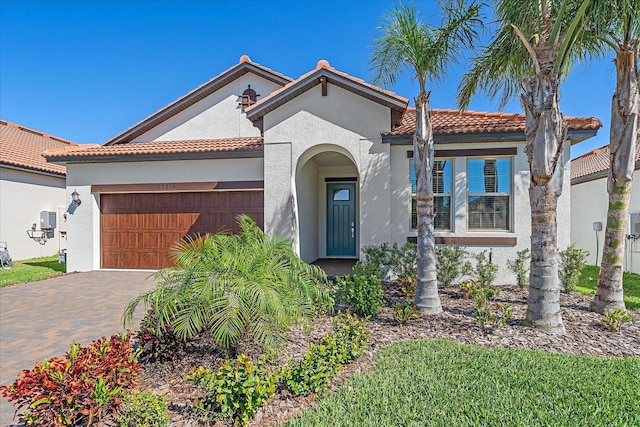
x=351, y=335
x=485, y=270
x=405, y=311
x=614, y=319
x=76, y=389
x=468, y=288
x=520, y=267
x=143, y=409
x=316, y=369
x=242, y=285
x=323, y=361
x=363, y=293
x=237, y=390
x=490, y=313
x=452, y=264
x=572, y=262
x=400, y=259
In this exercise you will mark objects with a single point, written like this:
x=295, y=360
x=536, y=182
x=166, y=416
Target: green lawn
x=442, y=383
x=630, y=284
x=31, y=270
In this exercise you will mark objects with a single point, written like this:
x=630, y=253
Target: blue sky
x=87, y=70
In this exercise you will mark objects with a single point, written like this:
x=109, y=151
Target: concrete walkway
x=38, y=320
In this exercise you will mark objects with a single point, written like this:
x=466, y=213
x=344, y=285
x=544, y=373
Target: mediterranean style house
x=589, y=202
x=29, y=186
x=324, y=160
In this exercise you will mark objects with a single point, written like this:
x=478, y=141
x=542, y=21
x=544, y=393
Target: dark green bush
x=572, y=262
x=452, y=264
x=323, y=361
x=143, y=409
x=236, y=390
x=363, y=293
x=486, y=271
x=520, y=267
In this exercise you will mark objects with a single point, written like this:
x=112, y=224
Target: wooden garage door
x=138, y=231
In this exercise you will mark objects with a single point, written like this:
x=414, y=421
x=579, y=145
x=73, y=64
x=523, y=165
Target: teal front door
x=341, y=220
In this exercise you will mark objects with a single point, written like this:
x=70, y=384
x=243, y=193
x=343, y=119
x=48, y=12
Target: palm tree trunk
x=545, y=132
x=625, y=112
x=427, y=300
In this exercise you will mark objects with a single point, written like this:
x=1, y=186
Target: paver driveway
x=38, y=320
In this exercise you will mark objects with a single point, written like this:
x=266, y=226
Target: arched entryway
x=327, y=202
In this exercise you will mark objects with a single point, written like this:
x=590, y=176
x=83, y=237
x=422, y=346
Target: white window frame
x=412, y=194
x=509, y=194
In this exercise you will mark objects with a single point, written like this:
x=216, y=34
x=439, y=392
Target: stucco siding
x=23, y=195
x=310, y=124
x=217, y=116
x=589, y=201
x=84, y=222
x=520, y=216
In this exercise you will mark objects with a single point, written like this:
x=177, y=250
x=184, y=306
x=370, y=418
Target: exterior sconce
x=75, y=198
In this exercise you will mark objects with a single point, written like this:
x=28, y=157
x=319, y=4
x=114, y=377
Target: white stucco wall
x=521, y=213
x=589, y=201
x=23, y=195
x=83, y=223
x=309, y=124
x=216, y=116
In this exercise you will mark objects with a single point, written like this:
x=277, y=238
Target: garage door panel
x=139, y=231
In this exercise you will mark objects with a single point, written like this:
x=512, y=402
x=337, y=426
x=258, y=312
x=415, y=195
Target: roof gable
x=22, y=147
x=323, y=74
x=244, y=66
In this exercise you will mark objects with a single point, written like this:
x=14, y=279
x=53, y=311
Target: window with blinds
x=441, y=174
x=489, y=194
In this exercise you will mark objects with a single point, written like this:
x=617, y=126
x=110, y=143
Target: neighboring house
x=589, y=203
x=28, y=186
x=324, y=160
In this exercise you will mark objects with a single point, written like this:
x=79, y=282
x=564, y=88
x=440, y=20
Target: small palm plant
x=245, y=285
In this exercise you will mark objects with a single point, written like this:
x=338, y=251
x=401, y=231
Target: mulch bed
x=585, y=335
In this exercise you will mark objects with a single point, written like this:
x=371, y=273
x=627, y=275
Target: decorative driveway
x=38, y=320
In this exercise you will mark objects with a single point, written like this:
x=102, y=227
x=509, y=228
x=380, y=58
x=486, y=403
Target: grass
x=630, y=284
x=442, y=383
x=31, y=270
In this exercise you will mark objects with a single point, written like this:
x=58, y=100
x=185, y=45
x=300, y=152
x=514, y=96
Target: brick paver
x=38, y=320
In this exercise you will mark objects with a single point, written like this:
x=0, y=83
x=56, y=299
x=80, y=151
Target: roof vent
x=248, y=97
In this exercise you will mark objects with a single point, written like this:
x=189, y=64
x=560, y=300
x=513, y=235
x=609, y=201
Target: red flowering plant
x=77, y=388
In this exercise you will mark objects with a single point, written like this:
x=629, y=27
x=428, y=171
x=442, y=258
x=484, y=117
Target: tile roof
x=321, y=65
x=22, y=147
x=157, y=147
x=244, y=66
x=452, y=122
x=595, y=161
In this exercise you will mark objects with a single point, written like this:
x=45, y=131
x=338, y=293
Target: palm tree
x=427, y=51
x=528, y=54
x=623, y=37
x=235, y=286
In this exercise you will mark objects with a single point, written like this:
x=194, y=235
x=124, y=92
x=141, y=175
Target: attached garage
x=139, y=230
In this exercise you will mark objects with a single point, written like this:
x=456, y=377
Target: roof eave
x=259, y=110
x=574, y=136
x=121, y=158
x=33, y=170
x=597, y=175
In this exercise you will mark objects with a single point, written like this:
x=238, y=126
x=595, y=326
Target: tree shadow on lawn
x=50, y=264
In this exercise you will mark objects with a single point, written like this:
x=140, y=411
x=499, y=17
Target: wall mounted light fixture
x=75, y=198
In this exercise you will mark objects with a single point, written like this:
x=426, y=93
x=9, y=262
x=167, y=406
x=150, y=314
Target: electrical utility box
x=634, y=224
x=47, y=220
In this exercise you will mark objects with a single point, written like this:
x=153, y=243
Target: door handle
x=353, y=230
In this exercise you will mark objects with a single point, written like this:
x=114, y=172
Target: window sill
x=472, y=240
